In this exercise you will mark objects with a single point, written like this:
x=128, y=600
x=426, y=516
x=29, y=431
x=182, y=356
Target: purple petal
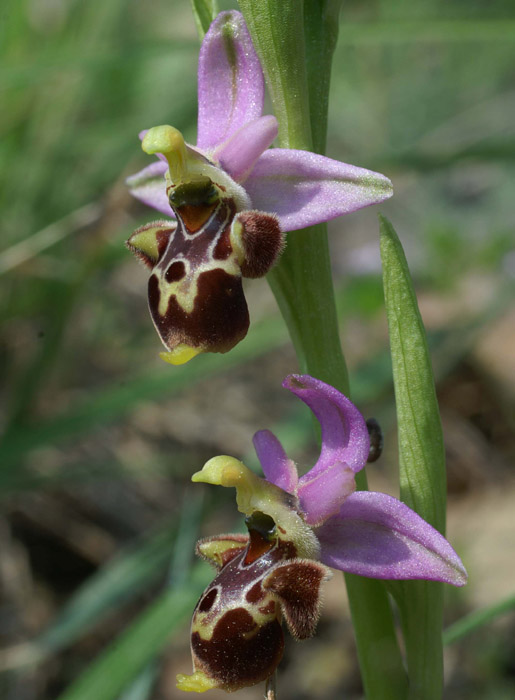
x=344, y=432
x=239, y=153
x=305, y=188
x=230, y=81
x=277, y=468
x=149, y=187
x=376, y=535
x=322, y=496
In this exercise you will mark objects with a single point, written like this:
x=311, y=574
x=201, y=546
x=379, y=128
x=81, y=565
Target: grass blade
x=119, y=581
x=141, y=688
x=477, y=619
x=146, y=637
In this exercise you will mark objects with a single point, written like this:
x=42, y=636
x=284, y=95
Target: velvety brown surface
x=233, y=657
x=219, y=319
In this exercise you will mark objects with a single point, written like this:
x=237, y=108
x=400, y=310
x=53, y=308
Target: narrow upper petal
x=305, y=188
x=277, y=467
x=376, y=535
x=230, y=81
x=239, y=153
x=344, y=431
x=149, y=187
x=322, y=496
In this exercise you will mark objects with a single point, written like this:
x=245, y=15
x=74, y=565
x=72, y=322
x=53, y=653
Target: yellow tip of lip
x=198, y=682
x=179, y=355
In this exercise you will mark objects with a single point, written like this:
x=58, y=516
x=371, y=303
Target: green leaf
x=421, y=448
x=204, y=12
x=145, y=638
x=421, y=462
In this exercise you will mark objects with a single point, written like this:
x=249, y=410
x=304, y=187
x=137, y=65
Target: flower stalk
x=301, y=281
x=303, y=287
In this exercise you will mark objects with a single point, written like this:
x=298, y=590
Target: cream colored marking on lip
x=188, y=293
x=205, y=629
x=169, y=289
x=186, y=289
x=201, y=627
x=259, y=618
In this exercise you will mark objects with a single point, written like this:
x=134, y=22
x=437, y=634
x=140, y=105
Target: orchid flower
x=298, y=527
x=232, y=199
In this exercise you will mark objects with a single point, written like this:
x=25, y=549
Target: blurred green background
x=98, y=517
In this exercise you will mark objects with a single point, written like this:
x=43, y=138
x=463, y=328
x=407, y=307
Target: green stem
x=305, y=296
x=321, y=26
x=302, y=281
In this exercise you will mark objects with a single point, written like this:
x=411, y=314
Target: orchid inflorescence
x=229, y=202
x=232, y=198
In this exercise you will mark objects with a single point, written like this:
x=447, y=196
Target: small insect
x=376, y=440
x=236, y=632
